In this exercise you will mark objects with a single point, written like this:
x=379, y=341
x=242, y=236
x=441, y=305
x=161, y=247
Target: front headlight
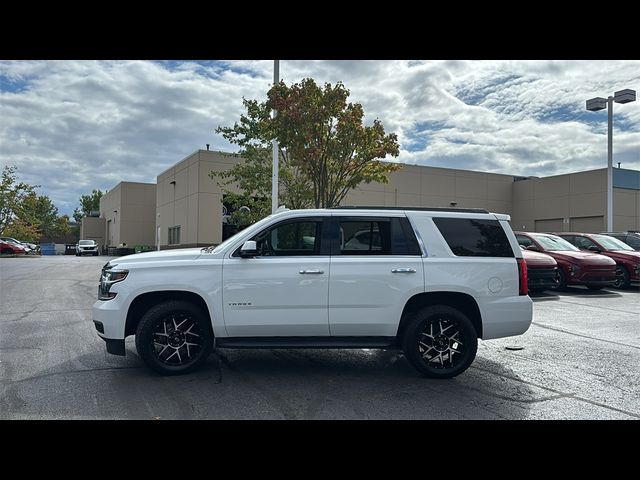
x=108, y=278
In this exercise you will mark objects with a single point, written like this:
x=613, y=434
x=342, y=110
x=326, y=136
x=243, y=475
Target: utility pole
x=274, y=172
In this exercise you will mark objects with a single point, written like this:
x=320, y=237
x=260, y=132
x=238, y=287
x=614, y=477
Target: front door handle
x=315, y=271
x=403, y=270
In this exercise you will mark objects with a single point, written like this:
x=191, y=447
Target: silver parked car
x=86, y=247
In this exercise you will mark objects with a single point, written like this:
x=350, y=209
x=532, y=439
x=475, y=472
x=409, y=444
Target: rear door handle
x=315, y=271
x=403, y=270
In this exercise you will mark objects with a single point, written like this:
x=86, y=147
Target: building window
x=174, y=235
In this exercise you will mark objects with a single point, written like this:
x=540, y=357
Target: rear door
x=376, y=266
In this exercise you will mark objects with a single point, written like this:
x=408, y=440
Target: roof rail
x=422, y=209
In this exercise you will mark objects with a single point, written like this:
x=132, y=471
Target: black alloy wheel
x=622, y=277
x=440, y=341
x=174, y=337
x=561, y=285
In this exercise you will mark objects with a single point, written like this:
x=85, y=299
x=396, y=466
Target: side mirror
x=533, y=248
x=249, y=249
x=594, y=249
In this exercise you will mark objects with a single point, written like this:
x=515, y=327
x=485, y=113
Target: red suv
x=576, y=267
x=626, y=258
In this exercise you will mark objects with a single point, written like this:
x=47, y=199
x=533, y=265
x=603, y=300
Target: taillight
x=523, y=278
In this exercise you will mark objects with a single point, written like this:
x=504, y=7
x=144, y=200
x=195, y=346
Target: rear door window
x=375, y=236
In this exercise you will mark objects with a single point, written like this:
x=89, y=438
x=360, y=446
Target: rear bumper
x=505, y=317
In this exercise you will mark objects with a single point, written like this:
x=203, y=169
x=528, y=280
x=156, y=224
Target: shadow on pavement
x=267, y=384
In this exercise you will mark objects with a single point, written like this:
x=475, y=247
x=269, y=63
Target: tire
x=6, y=251
x=428, y=330
x=562, y=281
x=177, y=356
x=622, y=278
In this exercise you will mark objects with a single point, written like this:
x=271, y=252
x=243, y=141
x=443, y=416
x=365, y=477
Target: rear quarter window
x=474, y=238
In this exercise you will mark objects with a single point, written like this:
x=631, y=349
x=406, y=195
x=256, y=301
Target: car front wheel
x=440, y=341
x=174, y=337
x=622, y=278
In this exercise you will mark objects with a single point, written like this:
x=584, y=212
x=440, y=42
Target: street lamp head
x=625, y=96
x=595, y=104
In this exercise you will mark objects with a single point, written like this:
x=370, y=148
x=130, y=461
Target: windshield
x=251, y=228
x=555, y=244
x=86, y=242
x=610, y=243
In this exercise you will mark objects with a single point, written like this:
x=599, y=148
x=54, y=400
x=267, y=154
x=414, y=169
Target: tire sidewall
x=416, y=326
x=148, y=324
x=624, y=278
x=562, y=281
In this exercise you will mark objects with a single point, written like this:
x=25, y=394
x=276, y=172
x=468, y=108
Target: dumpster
x=70, y=249
x=48, y=248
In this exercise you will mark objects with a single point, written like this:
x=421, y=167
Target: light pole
x=599, y=103
x=274, y=168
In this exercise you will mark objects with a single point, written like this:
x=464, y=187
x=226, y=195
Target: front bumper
x=115, y=346
x=602, y=278
x=541, y=278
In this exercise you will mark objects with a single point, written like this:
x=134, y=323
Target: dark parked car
x=576, y=267
x=10, y=248
x=630, y=238
x=626, y=258
x=542, y=270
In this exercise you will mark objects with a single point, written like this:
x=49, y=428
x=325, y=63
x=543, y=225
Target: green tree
x=248, y=184
x=21, y=230
x=88, y=204
x=12, y=195
x=39, y=212
x=324, y=148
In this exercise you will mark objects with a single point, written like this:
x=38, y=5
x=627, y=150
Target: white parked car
x=430, y=282
x=86, y=247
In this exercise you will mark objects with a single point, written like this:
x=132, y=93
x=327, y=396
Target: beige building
x=92, y=228
x=576, y=202
x=128, y=214
x=189, y=203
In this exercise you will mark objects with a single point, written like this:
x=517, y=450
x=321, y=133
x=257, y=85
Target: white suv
x=86, y=247
x=430, y=282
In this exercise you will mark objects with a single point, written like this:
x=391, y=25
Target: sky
x=74, y=126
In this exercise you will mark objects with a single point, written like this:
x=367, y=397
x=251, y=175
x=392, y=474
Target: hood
x=582, y=258
x=160, y=256
x=623, y=255
x=536, y=259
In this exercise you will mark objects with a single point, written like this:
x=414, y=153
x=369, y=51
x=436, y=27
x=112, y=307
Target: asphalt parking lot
x=579, y=360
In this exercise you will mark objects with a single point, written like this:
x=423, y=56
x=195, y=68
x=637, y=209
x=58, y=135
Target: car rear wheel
x=440, y=341
x=174, y=337
x=622, y=278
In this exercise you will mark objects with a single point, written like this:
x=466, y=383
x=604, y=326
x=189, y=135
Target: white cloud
x=71, y=126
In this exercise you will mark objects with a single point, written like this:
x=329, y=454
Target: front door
x=284, y=290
